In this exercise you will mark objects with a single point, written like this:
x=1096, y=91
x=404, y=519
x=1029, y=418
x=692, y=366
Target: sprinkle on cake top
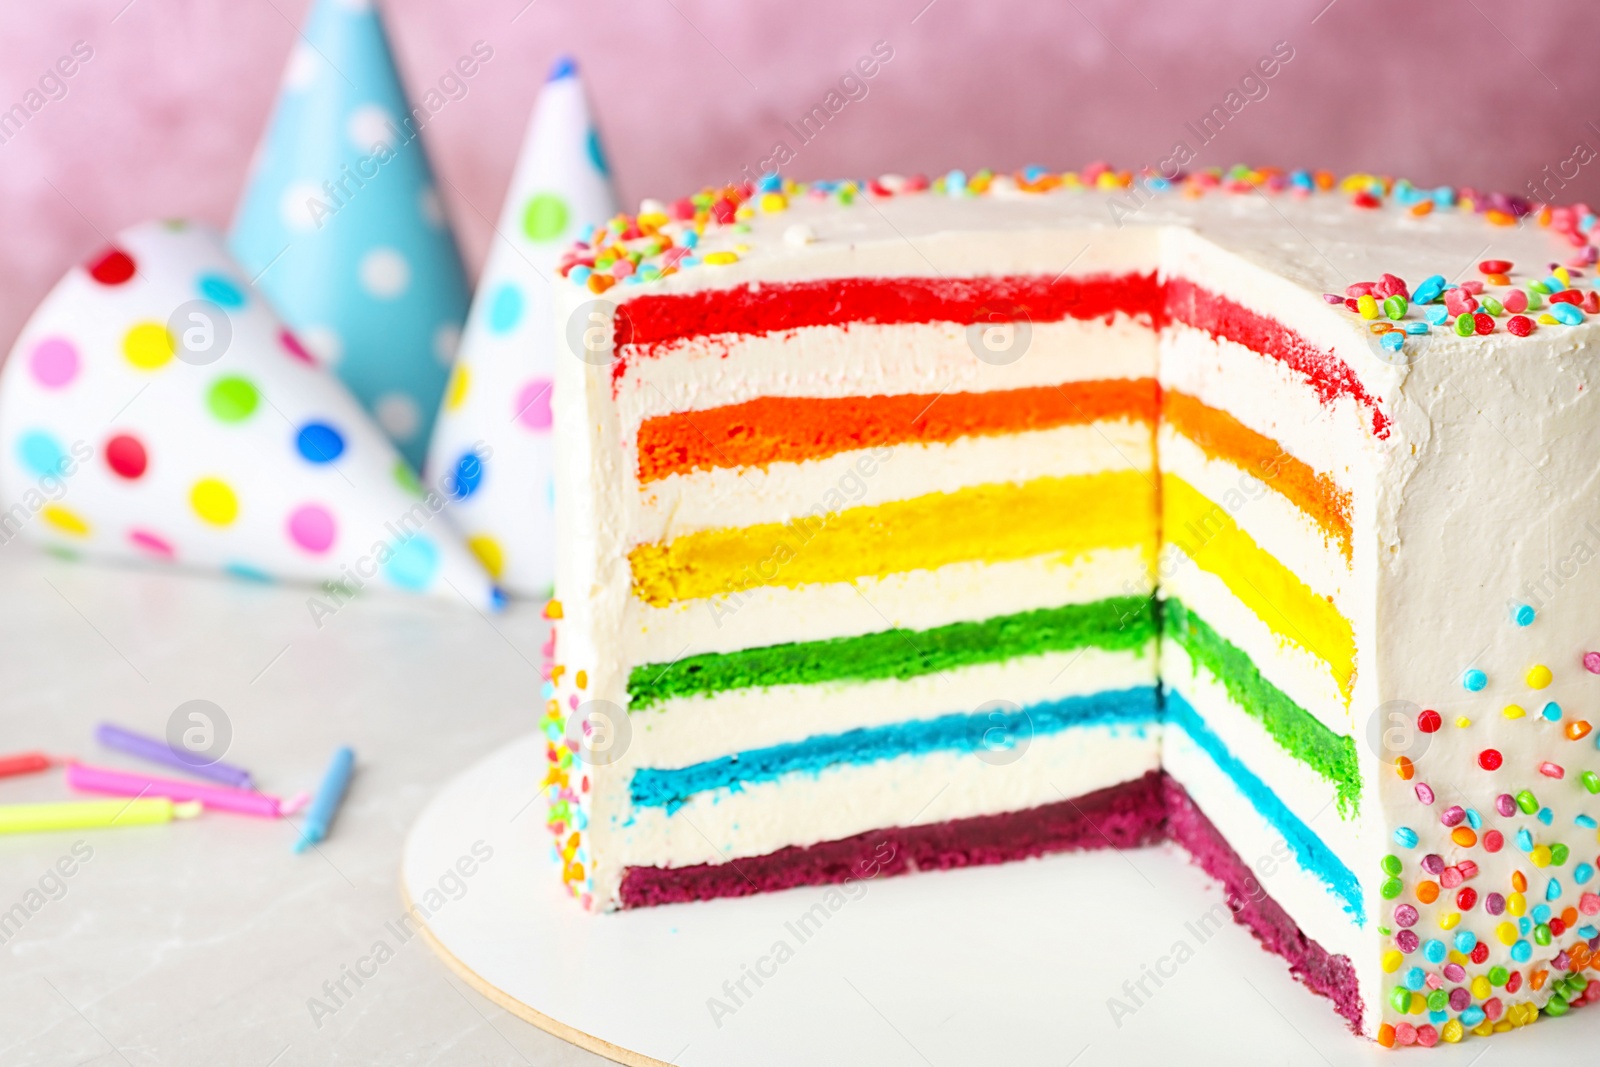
x=665, y=239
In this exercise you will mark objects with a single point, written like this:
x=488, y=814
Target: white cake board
x=1012, y=964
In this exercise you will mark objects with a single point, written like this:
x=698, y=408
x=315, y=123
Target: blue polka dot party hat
x=155, y=408
x=341, y=224
x=498, y=399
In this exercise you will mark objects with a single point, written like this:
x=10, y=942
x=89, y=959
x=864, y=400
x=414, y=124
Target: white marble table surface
x=203, y=942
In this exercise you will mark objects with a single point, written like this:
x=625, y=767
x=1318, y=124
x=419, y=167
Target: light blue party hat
x=493, y=438
x=342, y=228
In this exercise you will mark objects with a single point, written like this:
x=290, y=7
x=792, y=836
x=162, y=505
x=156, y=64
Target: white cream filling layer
x=1302, y=676
x=867, y=359
x=1272, y=271
x=805, y=808
x=1275, y=524
x=1318, y=911
x=1267, y=396
x=918, y=600
x=743, y=496
x=1313, y=798
x=688, y=730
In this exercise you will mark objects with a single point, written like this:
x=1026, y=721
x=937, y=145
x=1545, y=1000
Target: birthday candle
x=159, y=751
x=84, y=814
x=329, y=795
x=214, y=797
x=23, y=763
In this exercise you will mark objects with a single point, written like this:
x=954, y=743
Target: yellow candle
x=40, y=818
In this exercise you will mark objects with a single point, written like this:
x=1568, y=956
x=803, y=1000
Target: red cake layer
x=1218, y=316
x=648, y=325
x=771, y=308
x=1141, y=812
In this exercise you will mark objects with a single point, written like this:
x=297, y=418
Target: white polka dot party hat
x=499, y=393
x=341, y=222
x=155, y=408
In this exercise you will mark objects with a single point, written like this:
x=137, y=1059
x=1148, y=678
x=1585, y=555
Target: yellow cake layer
x=1291, y=609
x=1065, y=517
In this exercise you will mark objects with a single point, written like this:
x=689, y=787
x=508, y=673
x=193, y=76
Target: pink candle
x=212, y=797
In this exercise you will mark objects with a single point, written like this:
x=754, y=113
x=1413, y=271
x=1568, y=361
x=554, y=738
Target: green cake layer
x=1117, y=624
x=1295, y=729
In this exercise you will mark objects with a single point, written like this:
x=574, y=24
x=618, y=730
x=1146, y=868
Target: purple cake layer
x=1332, y=976
x=1144, y=811
x=1124, y=816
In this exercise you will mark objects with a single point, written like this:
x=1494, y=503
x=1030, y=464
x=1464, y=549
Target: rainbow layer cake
x=909, y=525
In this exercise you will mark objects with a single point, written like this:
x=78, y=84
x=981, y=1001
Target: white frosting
x=1494, y=484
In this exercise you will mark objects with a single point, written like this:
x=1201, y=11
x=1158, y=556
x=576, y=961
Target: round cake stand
x=1100, y=957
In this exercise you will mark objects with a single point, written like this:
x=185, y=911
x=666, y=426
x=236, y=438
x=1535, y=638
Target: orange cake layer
x=794, y=429
x=1221, y=436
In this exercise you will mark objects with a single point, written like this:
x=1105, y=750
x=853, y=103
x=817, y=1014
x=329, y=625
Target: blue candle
x=330, y=794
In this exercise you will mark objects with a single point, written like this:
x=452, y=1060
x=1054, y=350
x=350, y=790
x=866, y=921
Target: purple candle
x=157, y=750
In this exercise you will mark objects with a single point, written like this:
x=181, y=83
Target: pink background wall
x=163, y=119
